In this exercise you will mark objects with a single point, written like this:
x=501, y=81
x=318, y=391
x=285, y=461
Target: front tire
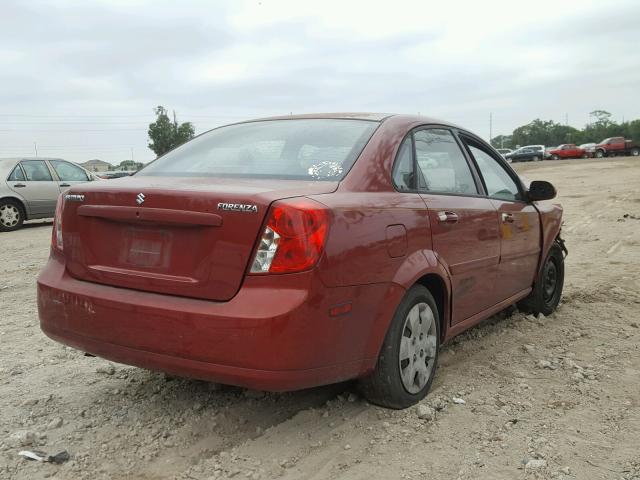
x=11, y=215
x=635, y=152
x=555, y=157
x=547, y=290
x=599, y=153
x=407, y=362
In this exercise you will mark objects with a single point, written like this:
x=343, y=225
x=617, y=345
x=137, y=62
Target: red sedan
x=298, y=251
x=567, y=150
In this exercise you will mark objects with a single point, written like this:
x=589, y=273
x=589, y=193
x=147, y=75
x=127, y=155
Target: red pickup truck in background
x=610, y=147
x=567, y=150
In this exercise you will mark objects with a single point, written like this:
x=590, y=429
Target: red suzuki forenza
x=292, y=252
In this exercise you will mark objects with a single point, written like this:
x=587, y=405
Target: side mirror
x=541, y=190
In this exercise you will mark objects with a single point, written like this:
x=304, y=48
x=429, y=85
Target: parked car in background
x=29, y=187
x=547, y=155
x=566, y=150
x=610, y=147
x=527, y=154
x=115, y=174
x=588, y=148
x=503, y=151
x=299, y=251
x=541, y=148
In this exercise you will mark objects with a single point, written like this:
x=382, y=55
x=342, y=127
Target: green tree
x=633, y=129
x=545, y=132
x=602, y=117
x=165, y=135
x=550, y=133
x=502, y=141
x=130, y=165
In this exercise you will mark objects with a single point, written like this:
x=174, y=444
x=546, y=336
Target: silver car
x=29, y=187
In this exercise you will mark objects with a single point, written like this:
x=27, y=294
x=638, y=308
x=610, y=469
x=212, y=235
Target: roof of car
x=376, y=117
x=19, y=159
x=371, y=116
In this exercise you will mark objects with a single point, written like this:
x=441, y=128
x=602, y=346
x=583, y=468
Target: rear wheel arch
x=422, y=268
x=438, y=289
x=19, y=202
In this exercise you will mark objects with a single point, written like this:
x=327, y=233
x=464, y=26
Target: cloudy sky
x=80, y=79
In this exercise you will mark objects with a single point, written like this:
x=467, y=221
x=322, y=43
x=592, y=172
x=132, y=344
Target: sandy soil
x=555, y=397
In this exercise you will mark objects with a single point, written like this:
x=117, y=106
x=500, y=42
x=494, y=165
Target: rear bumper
x=276, y=334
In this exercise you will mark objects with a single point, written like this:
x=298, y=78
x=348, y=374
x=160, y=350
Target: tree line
x=550, y=133
x=166, y=134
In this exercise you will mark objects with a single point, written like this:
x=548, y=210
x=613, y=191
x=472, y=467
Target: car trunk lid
x=190, y=237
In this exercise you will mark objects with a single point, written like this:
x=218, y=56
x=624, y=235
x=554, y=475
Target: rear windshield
x=305, y=149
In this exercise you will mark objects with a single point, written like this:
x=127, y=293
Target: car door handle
x=448, y=217
x=507, y=217
x=19, y=185
x=65, y=185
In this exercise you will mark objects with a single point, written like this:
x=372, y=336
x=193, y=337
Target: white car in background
x=589, y=149
x=29, y=188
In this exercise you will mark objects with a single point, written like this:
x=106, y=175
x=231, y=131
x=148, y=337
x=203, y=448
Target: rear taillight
x=56, y=237
x=293, y=238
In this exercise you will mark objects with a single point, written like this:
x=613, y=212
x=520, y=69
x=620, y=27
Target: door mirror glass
x=541, y=190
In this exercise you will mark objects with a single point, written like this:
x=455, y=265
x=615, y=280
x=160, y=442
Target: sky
x=80, y=80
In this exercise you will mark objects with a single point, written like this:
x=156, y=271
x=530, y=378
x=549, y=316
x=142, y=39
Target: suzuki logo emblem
x=140, y=199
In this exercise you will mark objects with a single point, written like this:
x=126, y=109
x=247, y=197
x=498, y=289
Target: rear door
x=519, y=221
x=38, y=188
x=68, y=174
x=575, y=151
x=464, y=224
x=570, y=151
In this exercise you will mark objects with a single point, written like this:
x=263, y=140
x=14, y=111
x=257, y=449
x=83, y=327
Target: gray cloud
x=89, y=75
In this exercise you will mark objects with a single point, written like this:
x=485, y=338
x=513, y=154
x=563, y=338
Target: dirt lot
x=555, y=397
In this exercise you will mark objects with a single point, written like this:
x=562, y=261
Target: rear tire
x=408, y=358
x=535, y=159
x=11, y=215
x=547, y=290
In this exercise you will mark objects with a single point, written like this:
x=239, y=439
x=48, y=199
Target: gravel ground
x=516, y=397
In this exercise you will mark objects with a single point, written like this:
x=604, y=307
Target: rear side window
x=36, y=171
x=403, y=176
x=17, y=175
x=68, y=172
x=442, y=163
x=302, y=149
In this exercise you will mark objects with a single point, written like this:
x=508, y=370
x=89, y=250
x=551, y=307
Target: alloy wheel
x=9, y=215
x=417, y=347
